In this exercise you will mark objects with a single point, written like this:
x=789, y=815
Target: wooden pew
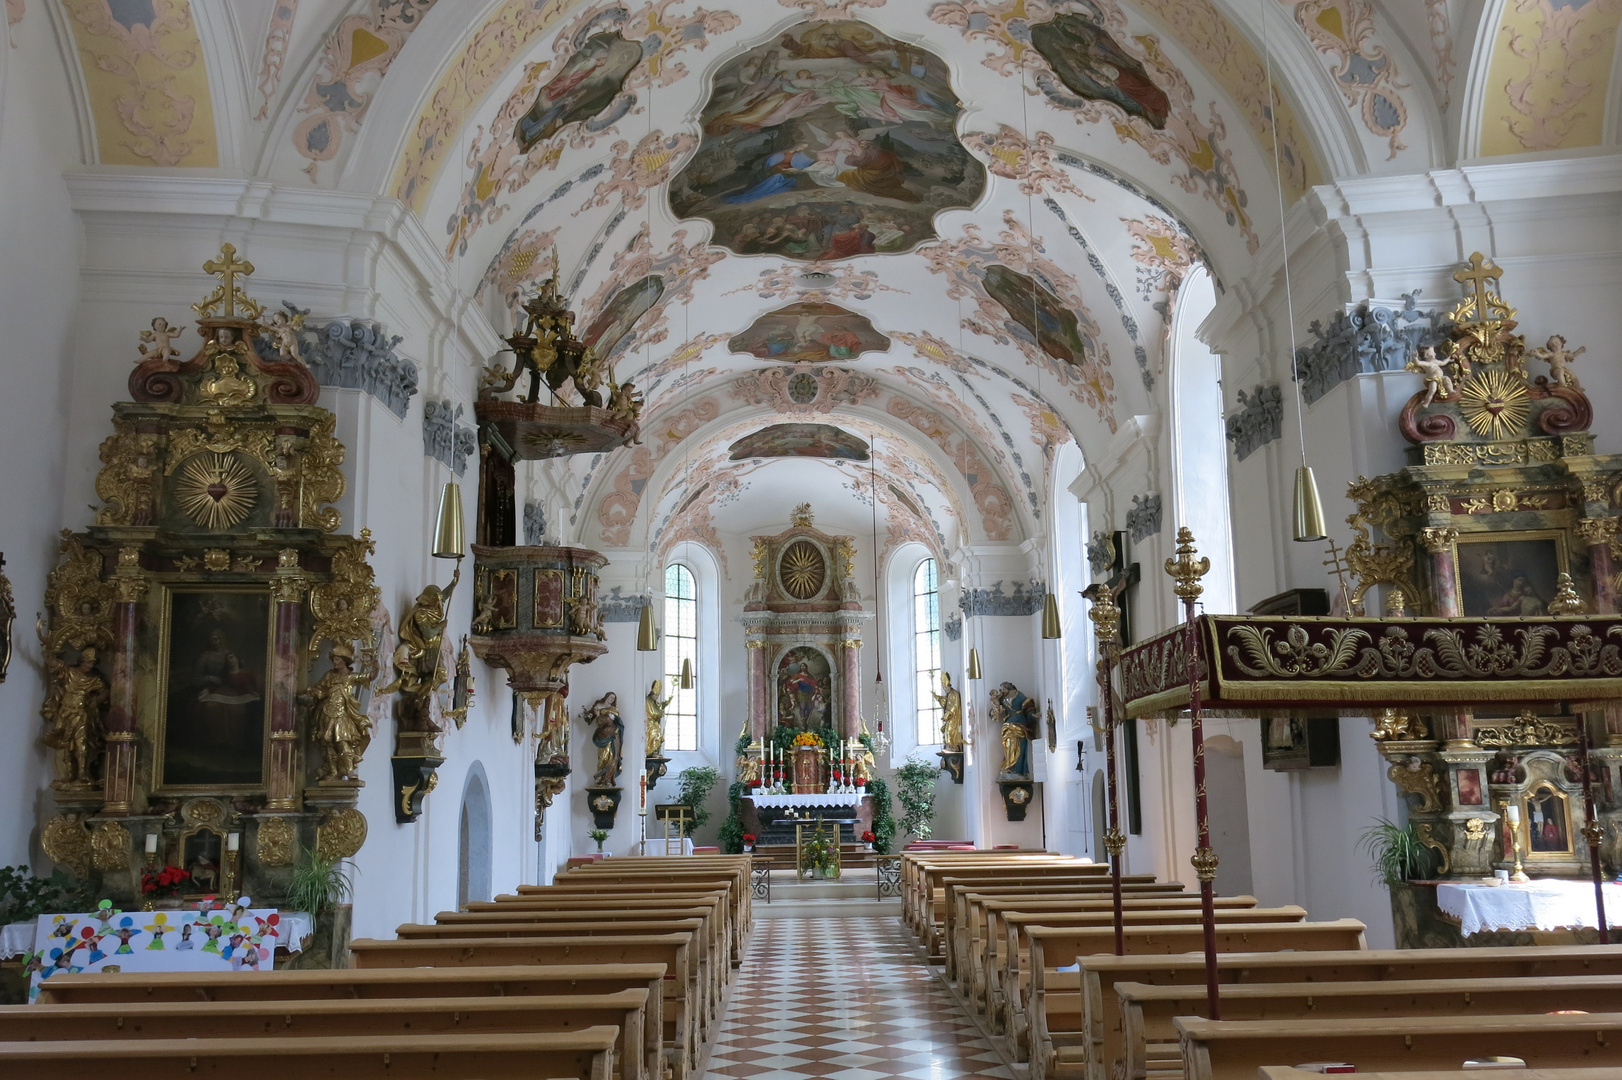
x=1013, y=971
x=582, y=894
x=1284, y=1072
x=1150, y=1037
x=929, y=903
x=1053, y=947
x=959, y=931
x=624, y=1010
x=655, y=883
x=990, y=940
x=588, y=1055
x=734, y=869
x=672, y=950
x=1236, y=1050
x=1094, y=996
x=916, y=868
x=709, y=987
x=508, y=981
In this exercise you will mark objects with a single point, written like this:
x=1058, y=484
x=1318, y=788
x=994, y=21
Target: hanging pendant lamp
x=686, y=675
x=449, y=536
x=1051, y=630
x=1309, y=509
x=647, y=638
x=974, y=664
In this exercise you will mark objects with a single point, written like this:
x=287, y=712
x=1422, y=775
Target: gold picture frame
x=223, y=688
x=1546, y=826
x=1509, y=573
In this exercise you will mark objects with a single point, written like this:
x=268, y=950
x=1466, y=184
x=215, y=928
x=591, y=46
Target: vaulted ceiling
x=938, y=177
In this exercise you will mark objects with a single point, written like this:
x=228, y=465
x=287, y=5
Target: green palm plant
x=1396, y=853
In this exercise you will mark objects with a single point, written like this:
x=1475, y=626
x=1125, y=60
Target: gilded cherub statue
x=157, y=343
x=1434, y=371
x=418, y=665
x=337, y=723
x=1559, y=359
x=951, y=702
x=654, y=734
x=74, y=711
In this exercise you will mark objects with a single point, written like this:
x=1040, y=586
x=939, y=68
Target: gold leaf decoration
x=803, y=570
x=1494, y=404
x=216, y=491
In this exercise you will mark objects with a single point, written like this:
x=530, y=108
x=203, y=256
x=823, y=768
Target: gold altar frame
x=160, y=721
x=1538, y=790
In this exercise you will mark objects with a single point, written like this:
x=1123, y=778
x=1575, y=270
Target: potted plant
x=599, y=835
x=915, y=787
x=749, y=841
x=322, y=887
x=161, y=888
x=868, y=838
x=1399, y=857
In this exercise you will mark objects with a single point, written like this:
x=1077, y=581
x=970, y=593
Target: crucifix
x=228, y=293
x=1475, y=279
x=1122, y=577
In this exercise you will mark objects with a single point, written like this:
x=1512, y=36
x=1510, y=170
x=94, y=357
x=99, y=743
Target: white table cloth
x=15, y=939
x=1538, y=905
x=851, y=799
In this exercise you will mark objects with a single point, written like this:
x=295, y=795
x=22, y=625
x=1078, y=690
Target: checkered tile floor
x=846, y=998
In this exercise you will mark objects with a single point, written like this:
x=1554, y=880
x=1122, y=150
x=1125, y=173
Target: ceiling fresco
x=812, y=332
x=800, y=440
x=832, y=141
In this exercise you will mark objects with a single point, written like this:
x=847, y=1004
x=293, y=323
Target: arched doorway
x=473, y=861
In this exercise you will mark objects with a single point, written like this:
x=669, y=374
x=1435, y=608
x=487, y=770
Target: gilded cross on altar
x=1482, y=305
x=228, y=293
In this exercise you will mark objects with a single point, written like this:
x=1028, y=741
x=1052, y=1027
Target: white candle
x=233, y=842
x=151, y=843
x=1513, y=813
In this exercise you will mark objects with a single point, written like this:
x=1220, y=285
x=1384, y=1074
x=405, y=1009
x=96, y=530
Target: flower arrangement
x=748, y=841
x=165, y=882
x=599, y=835
x=868, y=837
x=807, y=738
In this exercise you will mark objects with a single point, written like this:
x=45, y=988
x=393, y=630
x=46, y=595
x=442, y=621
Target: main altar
x=804, y=749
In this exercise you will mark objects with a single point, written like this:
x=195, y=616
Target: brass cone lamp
x=449, y=537
x=974, y=664
x=1051, y=630
x=1309, y=509
x=686, y=675
x=647, y=638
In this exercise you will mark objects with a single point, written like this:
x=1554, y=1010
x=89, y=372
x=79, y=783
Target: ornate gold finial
x=801, y=517
x=1104, y=613
x=1396, y=605
x=1205, y=863
x=1566, y=601
x=228, y=294
x=1185, y=569
x=1114, y=842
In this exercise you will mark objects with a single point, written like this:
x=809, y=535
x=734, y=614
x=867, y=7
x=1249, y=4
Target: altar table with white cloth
x=808, y=801
x=1549, y=904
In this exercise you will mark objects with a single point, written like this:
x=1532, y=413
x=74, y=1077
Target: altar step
x=781, y=856
x=853, y=896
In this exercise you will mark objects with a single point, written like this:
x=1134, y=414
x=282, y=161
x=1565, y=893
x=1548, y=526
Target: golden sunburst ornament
x=216, y=490
x=1494, y=404
x=803, y=570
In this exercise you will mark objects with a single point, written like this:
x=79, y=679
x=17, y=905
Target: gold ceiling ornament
x=227, y=295
x=1494, y=404
x=216, y=491
x=803, y=570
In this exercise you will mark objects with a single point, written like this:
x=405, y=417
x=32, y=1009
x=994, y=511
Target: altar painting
x=832, y=141
x=804, y=688
x=588, y=84
x=1517, y=575
x=1043, y=316
x=809, y=333
x=1092, y=65
x=1547, y=820
x=621, y=313
x=215, y=666
x=800, y=441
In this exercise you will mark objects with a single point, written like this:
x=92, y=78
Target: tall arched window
x=926, y=651
x=681, y=643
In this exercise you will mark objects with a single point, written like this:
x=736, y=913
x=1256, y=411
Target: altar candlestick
x=233, y=842
x=151, y=843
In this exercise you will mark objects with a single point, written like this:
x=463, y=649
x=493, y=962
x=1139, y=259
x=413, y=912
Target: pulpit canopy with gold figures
x=209, y=640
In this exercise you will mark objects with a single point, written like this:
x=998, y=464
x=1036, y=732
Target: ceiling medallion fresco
x=800, y=441
x=586, y=85
x=809, y=333
x=621, y=313
x=831, y=142
x=1041, y=314
x=1092, y=65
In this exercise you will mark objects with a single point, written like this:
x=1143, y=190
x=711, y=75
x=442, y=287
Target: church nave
x=845, y=997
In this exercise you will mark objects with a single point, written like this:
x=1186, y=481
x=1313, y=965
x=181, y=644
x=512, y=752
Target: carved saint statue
x=1015, y=714
x=283, y=330
x=553, y=745
x=608, y=736
x=337, y=723
x=655, y=731
x=1559, y=359
x=157, y=343
x=1437, y=381
x=951, y=703
x=418, y=666
x=74, y=711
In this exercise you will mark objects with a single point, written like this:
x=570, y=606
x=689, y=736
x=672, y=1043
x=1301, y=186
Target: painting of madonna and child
x=215, y=671
x=832, y=141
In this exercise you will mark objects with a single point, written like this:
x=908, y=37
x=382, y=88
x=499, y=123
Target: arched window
x=681, y=643
x=926, y=651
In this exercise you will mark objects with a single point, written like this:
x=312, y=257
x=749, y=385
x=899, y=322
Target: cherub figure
x=283, y=330
x=1559, y=359
x=1434, y=371
x=156, y=343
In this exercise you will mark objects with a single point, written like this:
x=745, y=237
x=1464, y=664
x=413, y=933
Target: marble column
x=287, y=592
x=851, y=658
x=759, y=699
x=1599, y=534
x=118, y=768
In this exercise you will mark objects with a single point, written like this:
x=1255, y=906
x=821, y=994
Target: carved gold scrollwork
x=1391, y=724
x=323, y=479
x=343, y=606
x=276, y=841
x=67, y=844
x=1415, y=777
x=1596, y=531
x=1427, y=836
x=1438, y=541
x=110, y=847
x=1527, y=729
x=341, y=834
x=1378, y=506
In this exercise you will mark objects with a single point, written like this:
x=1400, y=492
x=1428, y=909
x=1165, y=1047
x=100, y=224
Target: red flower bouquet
x=868, y=837
x=749, y=838
x=165, y=882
